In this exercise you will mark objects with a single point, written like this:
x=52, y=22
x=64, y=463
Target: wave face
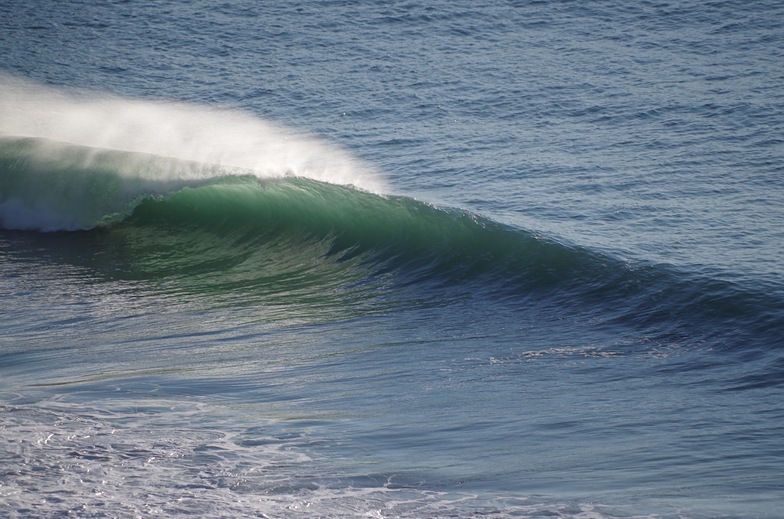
x=217, y=229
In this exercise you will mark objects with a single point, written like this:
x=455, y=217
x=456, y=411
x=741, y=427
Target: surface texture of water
x=558, y=292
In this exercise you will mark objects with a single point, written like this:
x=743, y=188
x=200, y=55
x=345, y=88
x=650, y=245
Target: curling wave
x=218, y=229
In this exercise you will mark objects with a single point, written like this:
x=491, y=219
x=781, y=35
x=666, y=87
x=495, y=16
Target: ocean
x=392, y=259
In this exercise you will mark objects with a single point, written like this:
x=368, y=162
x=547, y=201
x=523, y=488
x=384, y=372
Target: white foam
x=230, y=139
x=62, y=458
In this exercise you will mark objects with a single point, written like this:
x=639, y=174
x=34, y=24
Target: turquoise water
x=391, y=260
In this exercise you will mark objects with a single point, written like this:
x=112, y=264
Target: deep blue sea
x=392, y=259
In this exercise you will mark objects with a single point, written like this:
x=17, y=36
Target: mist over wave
x=201, y=134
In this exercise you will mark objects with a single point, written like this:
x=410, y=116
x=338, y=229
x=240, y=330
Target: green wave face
x=293, y=230
x=233, y=223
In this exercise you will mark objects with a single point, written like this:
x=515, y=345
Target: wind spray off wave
x=57, y=137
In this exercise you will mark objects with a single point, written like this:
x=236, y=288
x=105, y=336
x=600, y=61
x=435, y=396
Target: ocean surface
x=392, y=259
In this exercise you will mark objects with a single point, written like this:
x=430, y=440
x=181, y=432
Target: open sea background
x=391, y=259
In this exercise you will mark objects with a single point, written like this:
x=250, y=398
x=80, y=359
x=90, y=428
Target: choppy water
x=391, y=259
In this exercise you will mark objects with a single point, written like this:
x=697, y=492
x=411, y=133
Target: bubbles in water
x=61, y=459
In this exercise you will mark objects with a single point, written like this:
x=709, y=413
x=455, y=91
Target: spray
x=201, y=134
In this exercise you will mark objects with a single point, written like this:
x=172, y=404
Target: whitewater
x=391, y=260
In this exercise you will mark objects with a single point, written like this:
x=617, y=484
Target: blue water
x=335, y=259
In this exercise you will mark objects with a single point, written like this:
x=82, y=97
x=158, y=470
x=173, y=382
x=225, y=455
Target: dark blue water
x=333, y=259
